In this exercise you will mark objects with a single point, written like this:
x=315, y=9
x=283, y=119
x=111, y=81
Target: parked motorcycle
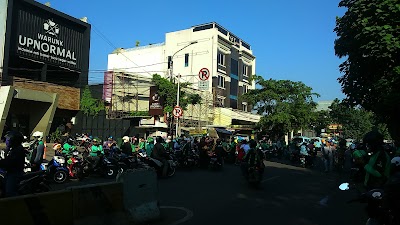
x=75, y=169
x=35, y=182
x=377, y=212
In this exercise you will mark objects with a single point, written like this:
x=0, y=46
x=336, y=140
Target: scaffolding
x=126, y=97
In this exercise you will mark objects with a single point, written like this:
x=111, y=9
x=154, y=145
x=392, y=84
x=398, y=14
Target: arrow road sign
x=178, y=112
x=204, y=74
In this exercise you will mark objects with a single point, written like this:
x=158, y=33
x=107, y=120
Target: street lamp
x=179, y=78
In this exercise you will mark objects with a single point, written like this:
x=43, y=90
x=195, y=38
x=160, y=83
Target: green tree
x=168, y=91
x=356, y=122
x=321, y=121
x=285, y=105
x=89, y=105
x=369, y=39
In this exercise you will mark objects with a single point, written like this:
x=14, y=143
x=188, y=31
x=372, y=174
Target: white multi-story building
x=228, y=58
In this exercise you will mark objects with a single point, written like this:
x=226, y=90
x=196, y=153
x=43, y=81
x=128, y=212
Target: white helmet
x=38, y=135
x=396, y=161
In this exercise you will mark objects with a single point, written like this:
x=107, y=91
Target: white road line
x=271, y=178
x=189, y=214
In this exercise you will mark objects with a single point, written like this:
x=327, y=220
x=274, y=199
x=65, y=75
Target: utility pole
x=179, y=78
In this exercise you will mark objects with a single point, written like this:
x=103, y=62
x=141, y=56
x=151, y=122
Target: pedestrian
x=327, y=154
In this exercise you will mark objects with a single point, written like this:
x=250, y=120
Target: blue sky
x=291, y=39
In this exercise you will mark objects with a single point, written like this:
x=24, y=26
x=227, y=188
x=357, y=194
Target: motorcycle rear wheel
x=60, y=176
x=171, y=171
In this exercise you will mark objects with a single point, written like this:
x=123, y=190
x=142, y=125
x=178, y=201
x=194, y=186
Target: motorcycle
x=103, y=168
x=75, y=170
x=157, y=165
x=215, y=162
x=57, y=169
x=35, y=182
x=378, y=214
x=254, y=175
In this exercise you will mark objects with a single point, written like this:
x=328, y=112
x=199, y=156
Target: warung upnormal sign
x=47, y=46
x=49, y=40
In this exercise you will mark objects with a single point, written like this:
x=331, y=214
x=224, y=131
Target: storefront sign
x=155, y=102
x=49, y=39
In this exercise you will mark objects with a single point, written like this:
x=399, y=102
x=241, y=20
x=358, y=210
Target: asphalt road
x=288, y=195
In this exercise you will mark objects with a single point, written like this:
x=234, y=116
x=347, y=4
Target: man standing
x=327, y=153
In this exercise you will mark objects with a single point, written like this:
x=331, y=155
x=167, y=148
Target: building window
x=245, y=89
x=245, y=70
x=221, y=59
x=169, y=62
x=221, y=81
x=220, y=102
x=186, y=60
x=244, y=107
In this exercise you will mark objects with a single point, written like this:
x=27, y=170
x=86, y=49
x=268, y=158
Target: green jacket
x=67, y=148
x=149, y=148
x=96, y=149
x=359, y=153
x=142, y=145
x=372, y=173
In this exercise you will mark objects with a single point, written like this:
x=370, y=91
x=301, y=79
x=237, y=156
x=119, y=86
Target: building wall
x=3, y=19
x=146, y=60
x=69, y=97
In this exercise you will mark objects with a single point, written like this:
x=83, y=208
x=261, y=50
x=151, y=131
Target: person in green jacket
x=378, y=168
x=142, y=144
x=96, y=148
x=149, y=146
x=68, y=147
x=95, y=151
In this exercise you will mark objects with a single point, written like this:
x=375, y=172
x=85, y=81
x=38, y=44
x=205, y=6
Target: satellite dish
x=84, y=19
x=47, y=4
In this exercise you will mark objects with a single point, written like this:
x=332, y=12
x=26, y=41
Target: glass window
x=234, y=67
x=186, y=60
x=221, y=81
x=169, y=62
x=221, y=59
x=245, y=107
x=245, y=70
x=204, y=27
x=244, y=89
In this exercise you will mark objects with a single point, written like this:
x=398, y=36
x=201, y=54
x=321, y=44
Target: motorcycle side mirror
x=344, y=187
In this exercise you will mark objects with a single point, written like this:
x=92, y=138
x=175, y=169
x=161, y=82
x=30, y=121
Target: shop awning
x=223, y=131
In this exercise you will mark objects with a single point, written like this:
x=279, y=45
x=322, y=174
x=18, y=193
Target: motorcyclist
x=126, y=146
x=149, y=145
x=68, y=146
x=38, y=151
x=159, y=154
x=219, y=150
x=13, y=162
x=109, y=145
x=254, y=157
x=392, y=189
x=378, y=167
x=96, y=152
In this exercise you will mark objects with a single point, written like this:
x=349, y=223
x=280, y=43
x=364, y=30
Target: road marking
x=271, y=178
x=189, y=214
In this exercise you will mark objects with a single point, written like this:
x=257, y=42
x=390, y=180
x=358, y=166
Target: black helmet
x=373, y=138
x=252, y=143
x=159, y=139
x=15, y=138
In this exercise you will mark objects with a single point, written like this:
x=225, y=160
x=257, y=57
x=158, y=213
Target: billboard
x=155, y=102
x=49, y=39
x=108, y=86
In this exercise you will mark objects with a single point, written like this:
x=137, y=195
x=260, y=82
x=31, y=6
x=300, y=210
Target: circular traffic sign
x=204, y=74
x=178, y=112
